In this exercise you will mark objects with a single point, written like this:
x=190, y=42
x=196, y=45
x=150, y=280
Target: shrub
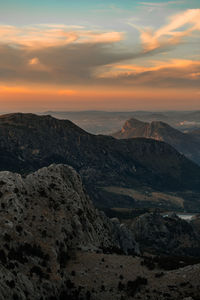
x=158, y=275
x=11, y=283
x=63, y=258
x=121, y=286
x=134, y=286
x=19, y=228
x=38, y=271
x=3, y=258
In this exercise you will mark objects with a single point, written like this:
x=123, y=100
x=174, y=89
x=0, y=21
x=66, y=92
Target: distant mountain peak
x=134, y=121
x=187, y=144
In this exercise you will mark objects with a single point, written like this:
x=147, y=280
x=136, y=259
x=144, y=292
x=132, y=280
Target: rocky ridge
x=167, y=234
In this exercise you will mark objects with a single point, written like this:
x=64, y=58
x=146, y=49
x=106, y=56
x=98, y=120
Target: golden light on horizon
x=32, y=99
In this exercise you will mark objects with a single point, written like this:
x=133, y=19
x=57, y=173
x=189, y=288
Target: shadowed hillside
x=29, y=142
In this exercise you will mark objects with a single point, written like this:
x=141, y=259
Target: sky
x=99, y=54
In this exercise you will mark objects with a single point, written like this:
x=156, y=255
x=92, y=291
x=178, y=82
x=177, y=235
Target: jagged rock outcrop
x=188, y=144
x=43, y=218
x=29, y=142
x=167, y=235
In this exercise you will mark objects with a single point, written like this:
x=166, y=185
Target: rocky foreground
x=43, y=219
x=114, y=277
x=55, y=245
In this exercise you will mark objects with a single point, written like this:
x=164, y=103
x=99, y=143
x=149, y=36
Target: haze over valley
x=108, y=122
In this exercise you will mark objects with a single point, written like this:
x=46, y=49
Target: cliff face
x=187, y=144
x=43, y=218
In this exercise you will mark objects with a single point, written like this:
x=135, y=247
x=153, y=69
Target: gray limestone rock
x=44, y=218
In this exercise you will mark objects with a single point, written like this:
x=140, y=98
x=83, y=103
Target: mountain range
x=29, y=142
x=107, y=122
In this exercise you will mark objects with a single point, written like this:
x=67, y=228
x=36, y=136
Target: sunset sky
x=99, y=54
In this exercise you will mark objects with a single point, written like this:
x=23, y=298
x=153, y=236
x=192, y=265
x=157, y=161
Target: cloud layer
x=54, y=35
x=69, y=56
x=175, y=73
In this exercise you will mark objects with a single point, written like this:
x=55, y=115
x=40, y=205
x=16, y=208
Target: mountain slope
x=184, y=143
x=54, y=245
x=29, y=142
x=43, y=218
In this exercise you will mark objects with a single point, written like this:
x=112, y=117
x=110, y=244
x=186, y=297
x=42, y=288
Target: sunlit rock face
x=188, y=144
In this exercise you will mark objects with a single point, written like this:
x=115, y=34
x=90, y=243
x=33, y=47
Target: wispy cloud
x=171, y=73
x=161, y=4
x=156, y=66
x=48, y=35
x=179, y=26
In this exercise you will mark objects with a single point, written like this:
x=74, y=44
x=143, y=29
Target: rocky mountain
x=55, y=245
x=44, y=218
x=29, y=142
x=166, y=235
x=185, y=143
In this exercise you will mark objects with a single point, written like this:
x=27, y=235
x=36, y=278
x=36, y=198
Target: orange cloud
x=54, y=35
x=106, y=37
x=133, y=69
x=195, y=75
x=34, y=61
x=169, y=34
x=35, y=64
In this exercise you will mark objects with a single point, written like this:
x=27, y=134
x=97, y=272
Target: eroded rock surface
x=44, y=218
x=168, y=235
